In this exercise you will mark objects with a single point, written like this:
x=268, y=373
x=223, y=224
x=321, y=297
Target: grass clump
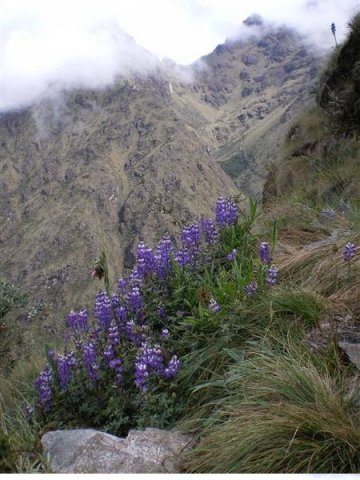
x=285, y=410
x=20, y=448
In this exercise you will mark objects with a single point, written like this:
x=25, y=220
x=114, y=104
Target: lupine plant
x=122, y=359
x=349, y=251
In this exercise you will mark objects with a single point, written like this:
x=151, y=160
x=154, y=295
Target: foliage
x=19, y=438
x=119, y=369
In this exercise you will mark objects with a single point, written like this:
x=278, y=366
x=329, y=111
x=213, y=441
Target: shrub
x=119, y=368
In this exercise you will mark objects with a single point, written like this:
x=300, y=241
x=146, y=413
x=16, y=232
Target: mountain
x=95, y=169
x=255, y=87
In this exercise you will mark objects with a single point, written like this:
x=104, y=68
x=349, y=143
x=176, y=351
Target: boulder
x=92, y=451
x=352, y=350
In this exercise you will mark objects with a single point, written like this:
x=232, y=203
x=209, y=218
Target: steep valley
x=92, y=170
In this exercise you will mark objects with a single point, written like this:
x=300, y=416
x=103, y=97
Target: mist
x=46, y=45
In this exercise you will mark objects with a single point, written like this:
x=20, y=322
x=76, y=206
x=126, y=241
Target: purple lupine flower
x=183, y=257
x=43, y=386
x=149, y=360
x=163, y=256
x=65, y=365
x=190, y=238
x=115, y=301
x=271, y=276
x=134, y=298
x=121, y=314
x=78, y=321
x=265, y=254
x=117, y=365
x=165, y=334
x=135, y=278
x=129, y=330
x=137, y=338
x=141, y=375
x=208, y=231
x=122, y=284
x=145, y=260
x=153, y=357
x=172, y=369
x=349, y=251
x=214, y=306
x=119, y=311
x=232, y=256
x=109, y=352
x=103, y=310
x=89, y=357
x=226, y=212
x=251, y=288
x=113, y=334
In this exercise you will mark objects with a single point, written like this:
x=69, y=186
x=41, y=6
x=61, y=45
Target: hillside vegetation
x=233, y=331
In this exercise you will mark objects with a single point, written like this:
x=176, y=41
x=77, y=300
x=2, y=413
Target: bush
x=119, y=369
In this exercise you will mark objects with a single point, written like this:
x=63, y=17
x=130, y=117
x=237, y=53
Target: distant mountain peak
x=253, y=20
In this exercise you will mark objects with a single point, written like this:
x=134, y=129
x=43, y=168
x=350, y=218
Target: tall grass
x=284, y=410
x=20, y=448
x=280, y=311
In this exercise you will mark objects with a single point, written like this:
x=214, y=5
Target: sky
x=80, y=42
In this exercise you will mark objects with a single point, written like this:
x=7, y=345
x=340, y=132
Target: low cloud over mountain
x=72, y=44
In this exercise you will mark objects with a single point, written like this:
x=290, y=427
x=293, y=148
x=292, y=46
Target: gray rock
x=327, y=215
x=352, y=350
x=91, y=451
x=331, y=240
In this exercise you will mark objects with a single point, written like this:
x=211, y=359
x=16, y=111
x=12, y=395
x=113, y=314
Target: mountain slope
x=100, y=169
x=256, y=86
x=105, y=171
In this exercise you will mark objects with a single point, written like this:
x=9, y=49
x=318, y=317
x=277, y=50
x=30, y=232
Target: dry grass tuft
x=285, y=410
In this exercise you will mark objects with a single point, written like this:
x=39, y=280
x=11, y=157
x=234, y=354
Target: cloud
x=82, y=43
x=312, y=18
x=43, y=48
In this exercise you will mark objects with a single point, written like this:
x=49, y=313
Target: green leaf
x=237, y=356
